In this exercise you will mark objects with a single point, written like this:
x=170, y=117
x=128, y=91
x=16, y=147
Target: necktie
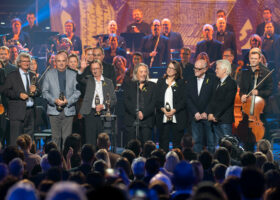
x=27, y=83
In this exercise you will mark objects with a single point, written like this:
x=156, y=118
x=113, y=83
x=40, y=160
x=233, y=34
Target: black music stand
x=133, y=40
x=42, y=37
x=110, y=126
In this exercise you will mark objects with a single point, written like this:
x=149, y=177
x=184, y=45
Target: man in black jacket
x=221, y=106
x=200, y=90
x=267, y=17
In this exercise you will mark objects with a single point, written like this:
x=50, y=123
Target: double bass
x=251, y=111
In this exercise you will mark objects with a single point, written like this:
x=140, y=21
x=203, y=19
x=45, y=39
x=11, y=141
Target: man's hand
x=170, y=113
x=244, y=98
x=135, y=29
x=197, y=116
x=23, y=96
x=32, y=88
x=83, y=64
x=211, y=117
x=203, y=115
x=153, y=53
x=59, y=102
x=99, y=107
x=140, y=115
x=255, y=92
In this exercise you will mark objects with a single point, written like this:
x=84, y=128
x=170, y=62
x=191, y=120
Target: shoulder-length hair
x=135, y=70
x=178, y=70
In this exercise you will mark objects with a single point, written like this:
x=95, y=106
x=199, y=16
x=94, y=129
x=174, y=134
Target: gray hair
x=138, y=166
x=172, y=160
x=66, y=189
x=224, y=64
x=208, y=25
x=23, y=191
x=135, y=70
x=24, y=55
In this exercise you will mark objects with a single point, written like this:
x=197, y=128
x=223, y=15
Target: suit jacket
x=260, y=28
x=107, y=87
x=222, y=103
x=130, y=103
x=179, y=102
x=246, y=82
x=175, y=40
x=213, y=48
x=51, y=92
x=229, y=41
x=272, y=52
x=200, y=103
x=12, y=88
x=187, y=71
x=147, y=46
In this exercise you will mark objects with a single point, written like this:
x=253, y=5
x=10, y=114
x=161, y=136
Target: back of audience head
x=264, y=146
x=103, y=141
x=222, y=155
x=165, y=179
x=219, y=171
x=102, y=154
x=272, y=178
x=49, y=146
x=4, y=171
x=260, y=159
x=183, y=176
x=207, y=190
x=77, y=177
x=197, y=170
x=54, y=158
x=66, y=190
x=16, y=168
x=44, y=187
x=160, y=154
x=24, y=141
x=23, y=191
x=231, y=186
x=160, y=187
x=152, y=166
x=252, y=183
x=248, y=159
x=74, y=141
x=124, y=164
x=189, y=155
x=206, y=159
x=233, y=171
x=138, y=167
x=95, y=179
x=148, y=147
x=10, y=153
x=129, y=155
x=179, y=153
x=87, y=153
x=135, y=146
x=187, y=142
x=100, y=166
x=268, y=166
x=272, y=194
x=171, y=161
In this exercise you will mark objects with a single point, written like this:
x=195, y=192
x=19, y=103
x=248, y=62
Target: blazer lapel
x=22, y=88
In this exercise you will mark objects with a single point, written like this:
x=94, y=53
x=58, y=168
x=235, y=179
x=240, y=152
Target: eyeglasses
x=171, y=68
x=94, y=69
x=25, y=61
x=199, y=69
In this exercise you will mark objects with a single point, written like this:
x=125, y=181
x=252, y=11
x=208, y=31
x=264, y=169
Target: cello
x=252, y=109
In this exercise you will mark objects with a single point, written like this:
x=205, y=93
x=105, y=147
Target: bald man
x=175, y=39
x=209, y=45
x=227, y=38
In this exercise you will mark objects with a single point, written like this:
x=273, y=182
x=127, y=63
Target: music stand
x=110, y=126
x=133, y=40
x=41, y=37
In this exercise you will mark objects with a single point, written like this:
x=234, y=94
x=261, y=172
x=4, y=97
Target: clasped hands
x=201, y=116
x=61, y=102
x=168, y=114
x=24, y=96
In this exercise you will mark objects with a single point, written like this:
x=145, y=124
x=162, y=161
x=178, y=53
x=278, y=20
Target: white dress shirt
x=199, y=84
x=29, y=102
x=168, y=97
x=99, y=91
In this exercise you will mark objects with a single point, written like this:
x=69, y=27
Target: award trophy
x=61, y=97
x=108, y=103
x=168, y=109
x=33, y=82
x=97, y=102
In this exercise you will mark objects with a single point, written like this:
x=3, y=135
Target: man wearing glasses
x=200, y=90
x=18, y=88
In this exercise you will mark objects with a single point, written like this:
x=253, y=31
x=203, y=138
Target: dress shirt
x=168, y=97
x=199, y=84
x=98, y=90
x=29, y=102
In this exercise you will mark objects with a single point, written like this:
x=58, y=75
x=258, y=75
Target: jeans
x=221, y=130
x=201, y=129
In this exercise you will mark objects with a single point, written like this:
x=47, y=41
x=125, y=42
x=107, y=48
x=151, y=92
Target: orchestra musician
x=18, y=35
x=138, y=26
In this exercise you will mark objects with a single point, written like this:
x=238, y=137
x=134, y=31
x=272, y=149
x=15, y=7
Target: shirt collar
x=102, y=78
x=223, y=79
x=201, y=77
x=22, y=72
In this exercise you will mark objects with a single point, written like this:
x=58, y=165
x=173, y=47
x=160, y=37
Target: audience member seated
x=148, y=147
x=102, y=154
x=206, y=159
x=152, y=168
x=171, y=160
x=23, y=191
x=248, y=159
x=16, y=168
x=264, y=146
x=138, y=168
x=135, y=146
x=129, y=155
x=222, y=155
x=219, y=171
x=198, y=171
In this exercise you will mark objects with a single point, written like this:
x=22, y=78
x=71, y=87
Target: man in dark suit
x=267, y=16
x=200, y=90
x=222, y=103
x=155, y=57
x=222, y=14
x=19, y=87
x=187, y=67
x=18, y=34
x=98, y=90
x=139, y=26
x=227, y=38
x=209, y=45
x=147, y=99
x=175, y=39
x=99, y=54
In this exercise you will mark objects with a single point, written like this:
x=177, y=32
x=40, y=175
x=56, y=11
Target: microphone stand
x=137, y=110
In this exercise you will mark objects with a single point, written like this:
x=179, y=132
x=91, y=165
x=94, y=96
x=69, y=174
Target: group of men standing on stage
x=196, y=97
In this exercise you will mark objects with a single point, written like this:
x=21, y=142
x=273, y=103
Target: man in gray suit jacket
x=97, y=88
x=58, y=83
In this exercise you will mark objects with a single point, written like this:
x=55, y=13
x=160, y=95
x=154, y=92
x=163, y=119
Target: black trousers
x=169, y=132
x=93, y=126
x=18, y=127
x=145, y=134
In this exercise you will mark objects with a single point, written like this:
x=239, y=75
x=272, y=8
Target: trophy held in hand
x=97, y=102
x=61, y=97
x=168, y=109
